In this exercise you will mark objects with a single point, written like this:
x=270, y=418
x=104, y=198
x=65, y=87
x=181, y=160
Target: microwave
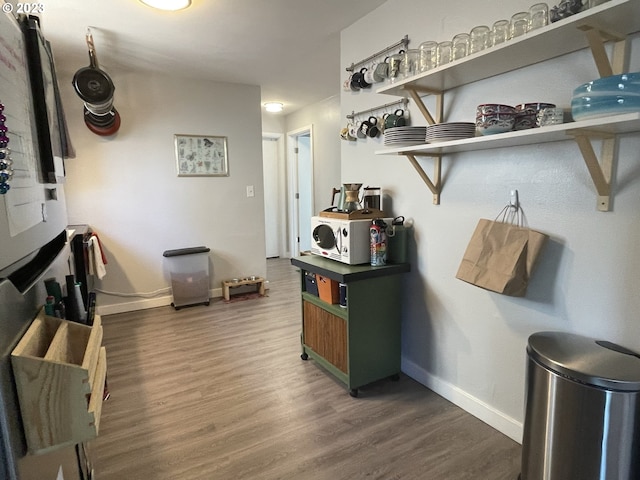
x=346, y=241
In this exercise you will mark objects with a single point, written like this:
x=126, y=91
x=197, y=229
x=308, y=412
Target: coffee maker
x=372, y=198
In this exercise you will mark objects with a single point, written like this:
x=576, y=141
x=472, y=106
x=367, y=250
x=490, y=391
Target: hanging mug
x=355, y=81
x=353, y=130
x=369, y=76
x=359, y=131
x=381, y=72
x=373, y=131
x=346, y=85
x=362, y=81
x=369, y=127
x=395, y=119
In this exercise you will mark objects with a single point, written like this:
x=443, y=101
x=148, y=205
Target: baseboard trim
x=145, y=303
x=488, y=414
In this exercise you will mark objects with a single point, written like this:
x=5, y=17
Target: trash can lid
x=185, y=251
x=595, y=362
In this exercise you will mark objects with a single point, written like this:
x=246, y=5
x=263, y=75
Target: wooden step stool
x=226, y=284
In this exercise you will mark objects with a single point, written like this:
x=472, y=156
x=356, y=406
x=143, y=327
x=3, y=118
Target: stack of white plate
x=405, y=135
x=444, y=132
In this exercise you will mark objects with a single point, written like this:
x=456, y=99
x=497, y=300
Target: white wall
x=325, y=118
x=466, y=343
x=126, y=186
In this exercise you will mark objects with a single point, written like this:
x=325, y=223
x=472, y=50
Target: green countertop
x=343, y=273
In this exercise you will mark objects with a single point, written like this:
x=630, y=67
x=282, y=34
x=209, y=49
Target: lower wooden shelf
x=60, y=370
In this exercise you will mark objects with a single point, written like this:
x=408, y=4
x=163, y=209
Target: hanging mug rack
x=403, y=101
x=402, y=43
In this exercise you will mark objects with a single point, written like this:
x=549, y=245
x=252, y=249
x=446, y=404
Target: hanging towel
x=96, y=259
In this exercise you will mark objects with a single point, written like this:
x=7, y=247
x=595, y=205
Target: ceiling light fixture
x=171, y=5
x=273, y=107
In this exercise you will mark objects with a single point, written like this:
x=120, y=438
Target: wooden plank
x=92, y=351
x=97, y=394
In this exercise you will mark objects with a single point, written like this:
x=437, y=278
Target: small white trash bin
x=189, y=270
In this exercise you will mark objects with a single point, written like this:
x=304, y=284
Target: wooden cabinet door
x=326, y=334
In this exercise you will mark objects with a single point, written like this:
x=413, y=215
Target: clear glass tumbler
x=443, y=52
x=410, y=63
x=479, y=38
x=460, y=46
x=538, y=16
x=500, y=32
x=394, y=66
x=519, y=24
x=428, y=58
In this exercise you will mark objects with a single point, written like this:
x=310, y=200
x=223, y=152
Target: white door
x=300, y=173
x=272, y=200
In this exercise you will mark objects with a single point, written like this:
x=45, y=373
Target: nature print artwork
x=199, y=155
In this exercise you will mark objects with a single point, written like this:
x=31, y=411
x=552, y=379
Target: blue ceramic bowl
x=627, y=82
x=607, y=96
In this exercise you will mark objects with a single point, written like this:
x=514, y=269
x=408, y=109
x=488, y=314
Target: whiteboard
x=24, y=204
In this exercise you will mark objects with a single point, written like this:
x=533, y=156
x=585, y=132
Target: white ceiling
x=291, y=48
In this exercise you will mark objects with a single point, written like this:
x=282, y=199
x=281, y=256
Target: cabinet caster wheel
x=395, y=377
x=304, y=356
x=354, y=392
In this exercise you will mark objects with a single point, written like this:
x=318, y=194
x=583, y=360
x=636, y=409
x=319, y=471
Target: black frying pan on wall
x=96, y=90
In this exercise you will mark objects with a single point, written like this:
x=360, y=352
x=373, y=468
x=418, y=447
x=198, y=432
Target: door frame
x=293, y=212
x=280, y=188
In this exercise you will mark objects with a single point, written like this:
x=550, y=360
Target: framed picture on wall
x=201, y=155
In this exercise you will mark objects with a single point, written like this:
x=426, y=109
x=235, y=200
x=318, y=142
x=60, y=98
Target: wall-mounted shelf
x=616, y=17
x=617, y=124
x=593, y=28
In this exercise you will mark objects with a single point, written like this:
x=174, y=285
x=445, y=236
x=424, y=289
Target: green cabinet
x=358, y=344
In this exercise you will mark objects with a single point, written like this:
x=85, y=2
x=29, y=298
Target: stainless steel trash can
x=582, y=415
x=189, y=270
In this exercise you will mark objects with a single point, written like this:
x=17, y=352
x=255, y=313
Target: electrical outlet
x=250, y=192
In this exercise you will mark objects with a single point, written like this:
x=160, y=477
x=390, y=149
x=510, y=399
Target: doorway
x=300, y=196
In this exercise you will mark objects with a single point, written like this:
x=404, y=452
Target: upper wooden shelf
x=604, y=126
x=616, y=18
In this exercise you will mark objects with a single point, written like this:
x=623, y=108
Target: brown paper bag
x=500, y=257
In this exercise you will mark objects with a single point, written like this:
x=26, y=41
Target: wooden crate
x=60, y=369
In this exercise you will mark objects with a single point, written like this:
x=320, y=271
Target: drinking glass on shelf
x=595, y=3
x=428, y=58
x=443, y=52
x=459, y=46
x=519, y=24
x=538, y=16
x=479, y=38
x=394, y=65
x=410, y=62
x=500, y=32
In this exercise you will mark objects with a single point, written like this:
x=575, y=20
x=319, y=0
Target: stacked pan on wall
x=96, y=90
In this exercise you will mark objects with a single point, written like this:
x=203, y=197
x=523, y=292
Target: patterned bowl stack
x=495, y=118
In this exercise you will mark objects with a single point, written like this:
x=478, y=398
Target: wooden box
x=328, y=290
x=60, y=370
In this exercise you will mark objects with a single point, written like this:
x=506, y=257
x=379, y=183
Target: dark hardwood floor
x=220, y=392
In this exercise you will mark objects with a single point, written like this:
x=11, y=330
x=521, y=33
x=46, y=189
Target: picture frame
x=201, y=155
